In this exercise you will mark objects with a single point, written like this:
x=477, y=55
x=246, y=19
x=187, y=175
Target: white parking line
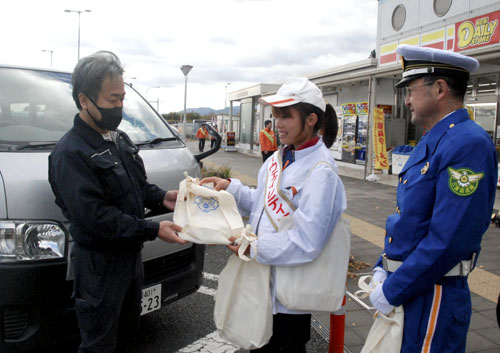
x=210, y=276
x=211, y=343
x=207, y=291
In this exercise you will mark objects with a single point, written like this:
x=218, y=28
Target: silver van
x=36, y=308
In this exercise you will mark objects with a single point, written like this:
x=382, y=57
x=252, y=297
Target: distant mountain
x=209, y=111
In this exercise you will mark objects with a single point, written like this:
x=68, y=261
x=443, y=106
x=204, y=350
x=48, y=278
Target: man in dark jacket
x=99, y=181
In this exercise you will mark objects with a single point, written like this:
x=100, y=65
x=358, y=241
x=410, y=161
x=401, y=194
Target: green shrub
x=221, y=172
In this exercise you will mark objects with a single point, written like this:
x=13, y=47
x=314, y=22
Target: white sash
x=279, y=209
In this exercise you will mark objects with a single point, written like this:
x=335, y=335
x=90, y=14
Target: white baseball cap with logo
x=296, y=90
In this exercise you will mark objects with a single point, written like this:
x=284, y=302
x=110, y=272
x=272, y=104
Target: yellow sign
x=379, y=148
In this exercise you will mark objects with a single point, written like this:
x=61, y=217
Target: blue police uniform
x=445, y=197
x=102, y=189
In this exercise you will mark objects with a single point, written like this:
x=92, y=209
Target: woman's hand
x=235, y=248
x=219, y=183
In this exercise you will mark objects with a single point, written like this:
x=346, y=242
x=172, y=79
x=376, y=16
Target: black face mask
x=110, y=117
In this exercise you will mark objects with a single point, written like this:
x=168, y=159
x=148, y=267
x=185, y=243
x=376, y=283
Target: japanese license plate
x=151, y=299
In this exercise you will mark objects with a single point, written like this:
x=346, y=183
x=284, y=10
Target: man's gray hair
x=91, y=71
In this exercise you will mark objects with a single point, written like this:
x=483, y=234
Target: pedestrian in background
x=99, y=182
x=201, y=135
x=303, y=176
x=267, y=140
x=445, y=198
x=213, y=139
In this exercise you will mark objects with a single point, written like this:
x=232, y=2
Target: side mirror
x=218, y=140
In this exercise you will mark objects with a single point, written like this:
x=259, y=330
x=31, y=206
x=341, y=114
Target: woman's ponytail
x=327, y=123
x=330, y=126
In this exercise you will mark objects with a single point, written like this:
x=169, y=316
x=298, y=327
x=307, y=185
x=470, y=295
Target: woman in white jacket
x=301, y=181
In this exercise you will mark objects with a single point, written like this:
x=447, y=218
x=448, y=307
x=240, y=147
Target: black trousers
x=212, y=143
x=290, y=334
x=107, y=291
x=266, y=155
x=498, y=310
x=201, y=144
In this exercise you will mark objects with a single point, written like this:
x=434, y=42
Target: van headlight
x=31, y=240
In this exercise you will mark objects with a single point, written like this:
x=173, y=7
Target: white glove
x=379, y=301
x=379, y=275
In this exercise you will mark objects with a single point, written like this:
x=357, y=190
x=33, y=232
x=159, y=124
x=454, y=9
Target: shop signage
x=230, y=137
x=349, y=109
x=474, y=32
x=379, y=148
x=477, y=32
x=362, y=108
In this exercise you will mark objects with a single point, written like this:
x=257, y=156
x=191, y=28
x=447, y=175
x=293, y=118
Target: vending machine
x=361, y=131
x=337, y=144
x=349, y=129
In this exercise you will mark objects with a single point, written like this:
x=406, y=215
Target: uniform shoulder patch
x=463, y=181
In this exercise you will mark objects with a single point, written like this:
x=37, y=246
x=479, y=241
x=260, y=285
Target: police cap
x=420, y=61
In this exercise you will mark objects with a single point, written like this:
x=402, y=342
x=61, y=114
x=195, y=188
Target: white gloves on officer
x=379, y=275
x=377, y=297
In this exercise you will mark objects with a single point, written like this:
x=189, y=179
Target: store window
x=398, y=17
x=484, y=114
x=487, y=84
x=441, y=7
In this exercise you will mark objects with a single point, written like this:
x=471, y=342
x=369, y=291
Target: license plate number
x=151, y=299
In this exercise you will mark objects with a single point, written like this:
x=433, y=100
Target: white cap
x=296, y=90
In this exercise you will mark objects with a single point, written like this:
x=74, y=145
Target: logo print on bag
x=206, y=204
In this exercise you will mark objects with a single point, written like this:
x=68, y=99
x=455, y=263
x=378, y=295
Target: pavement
x=369, y=204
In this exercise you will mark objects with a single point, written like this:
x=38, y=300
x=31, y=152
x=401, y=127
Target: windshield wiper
x=34, y=145
x=156, y=141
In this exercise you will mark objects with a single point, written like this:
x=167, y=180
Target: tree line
x=177, y=117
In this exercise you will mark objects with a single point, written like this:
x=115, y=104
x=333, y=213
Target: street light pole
x=157, y=99
x=51, y=52
x=79, y=13
x=225, y=97
x=185, y=70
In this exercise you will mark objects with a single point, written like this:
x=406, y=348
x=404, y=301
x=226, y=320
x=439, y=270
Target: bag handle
x=366, y=285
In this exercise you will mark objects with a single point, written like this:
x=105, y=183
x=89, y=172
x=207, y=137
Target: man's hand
x=219, y=183
x=168, y=232
x=379, y=276
x=379, y=301
x=170, y=199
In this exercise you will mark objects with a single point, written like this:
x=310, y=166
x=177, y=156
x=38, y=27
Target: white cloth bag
x=386, y=333
x=243, y=312
x=205, y=215
x=318, y=285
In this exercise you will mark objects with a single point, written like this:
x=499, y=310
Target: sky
x=231, y=44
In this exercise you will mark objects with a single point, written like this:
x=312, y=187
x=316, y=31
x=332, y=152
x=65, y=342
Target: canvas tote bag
x=318, y=285
x=386, y=333
x=205, y=215
x=243, y=312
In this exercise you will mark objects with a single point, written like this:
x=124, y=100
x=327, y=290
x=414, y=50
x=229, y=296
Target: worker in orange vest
x=267, y=141
x=201, y=135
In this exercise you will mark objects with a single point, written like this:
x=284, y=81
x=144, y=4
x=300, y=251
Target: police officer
x=99, y=182
x=445, y=197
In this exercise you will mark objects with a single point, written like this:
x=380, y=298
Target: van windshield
x=37, y=109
